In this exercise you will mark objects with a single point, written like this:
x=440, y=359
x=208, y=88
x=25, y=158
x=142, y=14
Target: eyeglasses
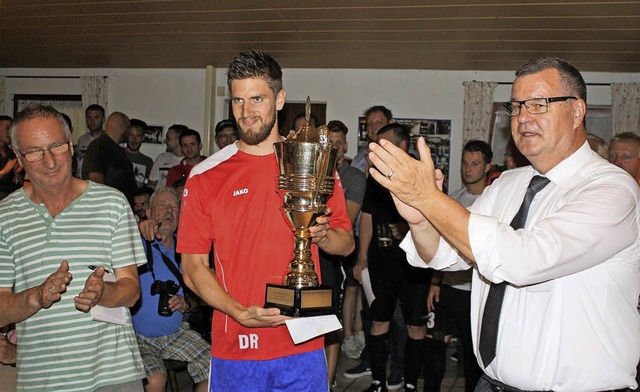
x=533, y=105
x=226, y=136
x=36, y=155
x=626, y=157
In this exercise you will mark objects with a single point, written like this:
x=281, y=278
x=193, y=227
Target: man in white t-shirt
x=168, y=159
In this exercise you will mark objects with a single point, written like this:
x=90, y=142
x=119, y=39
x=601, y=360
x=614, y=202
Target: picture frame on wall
x=154, y=134
x=437, y=134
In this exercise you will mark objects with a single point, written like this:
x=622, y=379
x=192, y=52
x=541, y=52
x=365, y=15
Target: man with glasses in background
x=60, y=239
x=624, y=152
x=556, y=280
x=226, y=133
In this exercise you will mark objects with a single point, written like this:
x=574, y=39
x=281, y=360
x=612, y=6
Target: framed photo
x=154, y=134
x=437, y=133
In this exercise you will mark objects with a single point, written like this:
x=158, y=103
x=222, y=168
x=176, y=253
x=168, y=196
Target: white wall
x=157, y=96
x=167, y=96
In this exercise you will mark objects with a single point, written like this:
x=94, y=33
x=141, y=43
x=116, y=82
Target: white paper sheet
x=366, y=285
x=305, y=328
x=110, y=315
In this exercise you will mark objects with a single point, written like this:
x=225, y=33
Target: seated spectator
x=158, y=317
x=226, y=133
x=191, y=144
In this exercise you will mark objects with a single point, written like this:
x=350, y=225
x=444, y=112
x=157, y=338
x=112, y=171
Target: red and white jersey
x=231, y=200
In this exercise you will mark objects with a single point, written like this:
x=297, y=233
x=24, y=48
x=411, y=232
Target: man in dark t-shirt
x=106, y=162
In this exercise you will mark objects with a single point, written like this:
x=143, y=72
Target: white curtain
x=478, y=110
x=3, y=108
x=625, y=108
x=73, y=109
x=95, y=90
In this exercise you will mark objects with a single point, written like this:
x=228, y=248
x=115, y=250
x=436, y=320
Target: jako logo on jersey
x=248, y=341
x=239, y=192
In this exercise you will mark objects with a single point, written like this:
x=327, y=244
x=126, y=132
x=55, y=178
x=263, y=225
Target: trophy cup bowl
x=307, y=163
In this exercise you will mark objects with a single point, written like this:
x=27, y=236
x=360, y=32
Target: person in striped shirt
x=67, y=245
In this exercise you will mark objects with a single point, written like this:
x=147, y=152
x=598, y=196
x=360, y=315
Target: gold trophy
x=307, y=161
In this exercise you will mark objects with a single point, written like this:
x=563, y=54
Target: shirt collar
x=567, y=171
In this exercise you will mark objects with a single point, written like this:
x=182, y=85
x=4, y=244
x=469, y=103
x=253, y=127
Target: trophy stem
x=301, y=270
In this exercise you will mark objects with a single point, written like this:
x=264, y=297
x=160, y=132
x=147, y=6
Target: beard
x=251, y=137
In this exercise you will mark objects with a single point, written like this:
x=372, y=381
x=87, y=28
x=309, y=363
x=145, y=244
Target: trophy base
x=302, y=302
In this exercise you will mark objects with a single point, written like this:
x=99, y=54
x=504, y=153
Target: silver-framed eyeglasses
x=533, y=105
x=37, y=154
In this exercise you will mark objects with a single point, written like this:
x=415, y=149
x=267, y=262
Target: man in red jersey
x=230, y=201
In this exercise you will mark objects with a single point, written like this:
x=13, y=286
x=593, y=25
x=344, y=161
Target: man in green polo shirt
x=67, y=245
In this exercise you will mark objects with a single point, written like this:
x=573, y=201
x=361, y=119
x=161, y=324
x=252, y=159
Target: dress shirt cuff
x=413, y=258
x=445, y=258
x=482, y=239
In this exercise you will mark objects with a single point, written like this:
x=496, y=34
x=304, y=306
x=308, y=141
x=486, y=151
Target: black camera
x=165, y=289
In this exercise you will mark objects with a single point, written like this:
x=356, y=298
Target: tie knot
x=537, y=184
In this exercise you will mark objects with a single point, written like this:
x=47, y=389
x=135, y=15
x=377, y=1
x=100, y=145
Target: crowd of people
x=106, y=255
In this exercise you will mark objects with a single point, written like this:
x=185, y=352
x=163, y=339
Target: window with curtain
x=71, y=105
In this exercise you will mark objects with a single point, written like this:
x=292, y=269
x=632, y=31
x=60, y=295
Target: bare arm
x=353, y=209
x=414, y=183
x=202, y=281
x=17, y=307
x=366, y=234
x=125, y=291
x=335, y=241
x=8, y=167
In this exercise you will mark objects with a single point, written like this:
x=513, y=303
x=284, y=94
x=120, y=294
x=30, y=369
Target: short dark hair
x=67, y=119
x=313, y=120
x=569, y=75
x=5, y=118
x=226, y=124
x=337, y=126
x=94, y=108
x=190, y=132
x=479, y=146
x=400, y=132
x=145, y=190
x=254, y=64
x=379, y=108
x=138, y=124
x=36, y=111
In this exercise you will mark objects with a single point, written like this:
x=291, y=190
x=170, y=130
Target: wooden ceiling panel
x=445, y=34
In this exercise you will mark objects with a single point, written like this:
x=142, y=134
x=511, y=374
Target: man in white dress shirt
x=568, y=321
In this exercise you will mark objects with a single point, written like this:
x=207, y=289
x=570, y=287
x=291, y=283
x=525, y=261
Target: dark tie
x=493, y=306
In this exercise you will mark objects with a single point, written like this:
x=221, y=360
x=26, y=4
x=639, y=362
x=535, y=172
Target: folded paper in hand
x=110, y=315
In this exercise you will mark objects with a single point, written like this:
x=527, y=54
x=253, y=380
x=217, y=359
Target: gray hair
x=164, y=189
x=33, y=112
